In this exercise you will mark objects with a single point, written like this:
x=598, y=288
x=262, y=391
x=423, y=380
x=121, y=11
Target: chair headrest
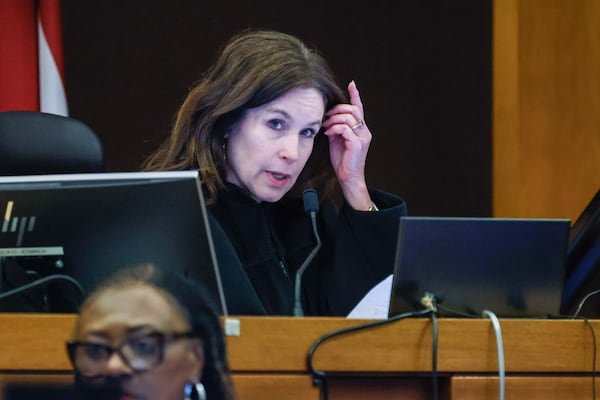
x=41, y=143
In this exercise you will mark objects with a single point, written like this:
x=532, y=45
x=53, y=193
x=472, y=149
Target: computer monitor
x=583, y=262
x=83, y=227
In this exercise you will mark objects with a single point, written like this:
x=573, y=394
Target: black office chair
x=36, y=143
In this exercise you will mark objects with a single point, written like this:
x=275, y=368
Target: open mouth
x=278, y=176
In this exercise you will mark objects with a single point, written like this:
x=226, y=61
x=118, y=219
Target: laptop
x=512, y=267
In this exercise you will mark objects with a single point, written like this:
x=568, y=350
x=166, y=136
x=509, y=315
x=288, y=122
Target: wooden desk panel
x=524, y=388
x=35, y=342
x=405, y=346
x=275, y=386
x=390, y=361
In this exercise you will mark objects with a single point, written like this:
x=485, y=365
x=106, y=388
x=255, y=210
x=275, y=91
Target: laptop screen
x=512, y=267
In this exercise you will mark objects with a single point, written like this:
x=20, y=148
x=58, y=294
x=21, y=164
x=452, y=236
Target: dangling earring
x=224, y=148
x=188, y=390
x=200, y=391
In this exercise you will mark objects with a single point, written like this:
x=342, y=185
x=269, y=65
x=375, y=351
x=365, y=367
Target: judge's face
x=268, y=148
x=152, y=361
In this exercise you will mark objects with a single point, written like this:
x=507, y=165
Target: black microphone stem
x=298, y=312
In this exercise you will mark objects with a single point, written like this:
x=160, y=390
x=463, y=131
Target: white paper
x=376, y=303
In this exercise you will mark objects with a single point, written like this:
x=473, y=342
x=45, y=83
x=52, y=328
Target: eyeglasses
x=140, y=353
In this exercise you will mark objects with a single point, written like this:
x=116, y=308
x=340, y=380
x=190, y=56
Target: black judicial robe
x=272, y=240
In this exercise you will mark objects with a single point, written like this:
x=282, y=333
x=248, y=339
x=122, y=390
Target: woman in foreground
x=150, y=334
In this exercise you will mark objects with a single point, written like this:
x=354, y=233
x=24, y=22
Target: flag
x=31, y=56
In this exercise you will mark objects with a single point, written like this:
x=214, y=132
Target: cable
x=594, y=344
x=582, y=303
x=500, y=348
x=593, y=356
x=499, y=342
x=457, y=313
x=319, y=377
x=434, y=351
x=42, y=282
x=591, y=327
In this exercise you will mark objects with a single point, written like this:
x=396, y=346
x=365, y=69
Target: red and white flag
x=31, y=57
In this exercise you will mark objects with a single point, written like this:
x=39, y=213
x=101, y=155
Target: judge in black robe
x=272, y=240
x=266, y=121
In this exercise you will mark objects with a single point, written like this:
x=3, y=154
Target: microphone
x=311, y=207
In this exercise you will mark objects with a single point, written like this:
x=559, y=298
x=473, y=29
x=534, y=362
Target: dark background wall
x=423, y=69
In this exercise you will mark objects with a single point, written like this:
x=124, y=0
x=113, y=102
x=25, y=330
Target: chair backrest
x=33, y=143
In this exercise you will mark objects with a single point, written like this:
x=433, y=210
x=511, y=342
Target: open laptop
x=512, y=267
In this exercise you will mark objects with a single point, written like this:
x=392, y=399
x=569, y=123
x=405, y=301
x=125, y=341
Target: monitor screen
x=74, y=230
x=583, y=263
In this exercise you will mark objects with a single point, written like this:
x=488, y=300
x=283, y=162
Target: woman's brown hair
x=254, y=68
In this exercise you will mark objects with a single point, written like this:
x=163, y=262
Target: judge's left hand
x=349, y=140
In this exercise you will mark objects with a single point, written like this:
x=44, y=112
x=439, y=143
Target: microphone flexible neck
x=311, y=206
x=298, y=312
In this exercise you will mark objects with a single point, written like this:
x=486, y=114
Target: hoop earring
x=187, y=390
x=198, y=388
x=200, y=391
